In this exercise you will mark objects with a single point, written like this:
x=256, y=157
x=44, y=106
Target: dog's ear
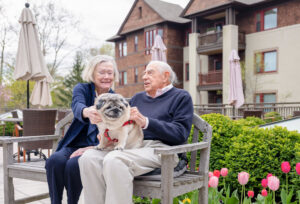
x=100, y=104
x=124, y=102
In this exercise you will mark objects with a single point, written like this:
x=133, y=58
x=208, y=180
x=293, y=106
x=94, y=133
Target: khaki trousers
x=107, y=176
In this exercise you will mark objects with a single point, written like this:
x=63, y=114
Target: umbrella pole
x=27, y=94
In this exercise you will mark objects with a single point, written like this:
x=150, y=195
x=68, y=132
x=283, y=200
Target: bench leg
x=167, y=179
x=8, y=181
x=203, y=194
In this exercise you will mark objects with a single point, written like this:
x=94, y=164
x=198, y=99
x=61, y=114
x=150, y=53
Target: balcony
x=212, y=43
x=210, y=81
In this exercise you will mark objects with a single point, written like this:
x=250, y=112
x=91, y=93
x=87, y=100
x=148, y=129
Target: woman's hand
x=80, y=151
x=136, y=116
x=92, y=114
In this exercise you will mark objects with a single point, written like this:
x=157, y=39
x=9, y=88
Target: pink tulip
x=269, y=174
x=298, y=168
x=273, y=183
x=210, y=174
x=243, y=178
x=264, y=192
x=224, y=172
x=285, y=167
x=213, y=181
x=264, y=183
x=217, y=173
x=250, y=194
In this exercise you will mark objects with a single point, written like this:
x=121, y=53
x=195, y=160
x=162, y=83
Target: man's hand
x=92, y=114
x=80, y=151
x=136, y=116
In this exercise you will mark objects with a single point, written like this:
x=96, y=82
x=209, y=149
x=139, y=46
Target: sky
x=99, y=19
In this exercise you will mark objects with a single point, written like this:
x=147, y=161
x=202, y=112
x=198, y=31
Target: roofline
x=131, y=9
x=186, y=7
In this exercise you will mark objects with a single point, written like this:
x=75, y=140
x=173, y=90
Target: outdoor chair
x=253, y=113
x=296, y=113
x=37, y=122
x=166, y=188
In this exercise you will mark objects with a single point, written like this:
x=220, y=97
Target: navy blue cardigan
x=81, y=132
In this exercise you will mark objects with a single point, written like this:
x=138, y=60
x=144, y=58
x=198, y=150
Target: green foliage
x=272, y=117
x=65, y=91
x=249, y=122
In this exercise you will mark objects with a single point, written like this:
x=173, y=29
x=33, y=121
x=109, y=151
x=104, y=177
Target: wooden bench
x=165, y=189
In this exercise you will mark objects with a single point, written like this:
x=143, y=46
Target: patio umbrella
x=41, y=92
x=236, y=95
x=30, y=64
x=158, y=51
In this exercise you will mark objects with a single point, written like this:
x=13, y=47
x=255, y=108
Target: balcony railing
x=286, y=110
x=211, y=78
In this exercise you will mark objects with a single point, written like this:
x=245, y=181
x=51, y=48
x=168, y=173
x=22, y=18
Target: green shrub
x=249, y=122
x=9, y=128
x=272, y=117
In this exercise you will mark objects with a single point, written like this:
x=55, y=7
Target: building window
x=149, y=38
x=186, y=37
x=266, y=61
x=136, y=41
x=123, y=49
x=217, y=64
x=140, y=12
x=136, y=75
x=123, y=78
x=266, y=19
x=266, y=98
x=187, y=71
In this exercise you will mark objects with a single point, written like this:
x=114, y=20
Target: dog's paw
x=119, y=148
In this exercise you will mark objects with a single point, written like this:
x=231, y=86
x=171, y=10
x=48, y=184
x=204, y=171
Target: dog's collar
x=115, y=140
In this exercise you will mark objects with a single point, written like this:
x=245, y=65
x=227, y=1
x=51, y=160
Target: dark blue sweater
x=170, y=115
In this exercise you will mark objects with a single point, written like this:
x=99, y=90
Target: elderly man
x=165, y=113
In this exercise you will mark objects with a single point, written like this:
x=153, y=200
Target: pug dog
x=116, y=130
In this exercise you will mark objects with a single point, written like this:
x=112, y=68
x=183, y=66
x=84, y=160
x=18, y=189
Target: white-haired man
x=165, y=113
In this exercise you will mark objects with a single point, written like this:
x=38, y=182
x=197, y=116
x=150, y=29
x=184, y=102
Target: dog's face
x=112, y=107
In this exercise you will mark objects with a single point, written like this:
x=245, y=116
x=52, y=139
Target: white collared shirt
x=158, y=93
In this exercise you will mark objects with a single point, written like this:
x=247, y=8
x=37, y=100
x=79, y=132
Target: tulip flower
x=264, y=183
x=285, y=167
x=273, y=184
x=224, y=172
x=250, y=194
x=213, y=181
x=298, y=168
x=217, y=173
x=264, y=193
x=243, y=178
x=210, y=174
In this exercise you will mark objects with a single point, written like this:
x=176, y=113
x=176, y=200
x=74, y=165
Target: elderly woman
x=62, y=167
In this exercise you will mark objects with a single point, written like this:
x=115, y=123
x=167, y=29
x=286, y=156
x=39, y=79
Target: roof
x=243, y=2
x=290, y=124
x=167, y=11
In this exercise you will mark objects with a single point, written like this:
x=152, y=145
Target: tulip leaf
x=283, y=196
x=232, y=200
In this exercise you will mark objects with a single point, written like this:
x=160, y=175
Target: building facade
x=266, y=34
x=133, y=42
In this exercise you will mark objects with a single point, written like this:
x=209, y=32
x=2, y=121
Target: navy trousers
x=63, y=172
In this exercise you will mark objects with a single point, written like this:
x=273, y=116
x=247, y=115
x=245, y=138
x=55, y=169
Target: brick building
x=135, y=38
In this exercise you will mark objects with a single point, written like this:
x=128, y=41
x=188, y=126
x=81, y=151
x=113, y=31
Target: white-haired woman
x=62, y=167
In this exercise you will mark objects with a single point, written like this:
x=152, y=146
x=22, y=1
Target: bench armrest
x=7, y=140
x=181, y=148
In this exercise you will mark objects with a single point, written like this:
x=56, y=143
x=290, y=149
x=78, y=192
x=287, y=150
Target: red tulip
x=224, y=172
x=243, y=178
x=273, y=183
x=285, y=167
x=264, y=183
x=298, y=168
x=210, y=174
x=264, y=192
x=217, y=173
x=250, y=194
x=213, y=181
x=269, y=174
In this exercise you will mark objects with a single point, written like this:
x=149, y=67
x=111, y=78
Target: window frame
x=122, y=80
x=262, y=19
x=149, y=42
x=262, y=62
x=136, y=75
x=136, y=43
x=121, y=49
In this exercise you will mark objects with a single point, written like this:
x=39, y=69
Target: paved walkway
x=24, y=188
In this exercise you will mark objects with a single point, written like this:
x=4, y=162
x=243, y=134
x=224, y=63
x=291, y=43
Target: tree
x=105, y=49
x=65, y=91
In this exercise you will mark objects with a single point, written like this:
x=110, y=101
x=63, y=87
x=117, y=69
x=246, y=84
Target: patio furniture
x=37, y=122
x=253, y=113
x=166, y=189
x=296, y=113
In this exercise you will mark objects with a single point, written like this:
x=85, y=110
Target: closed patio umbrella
x=30, y=63
x=41, y=93
x=158, y=51
x=236, y=95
